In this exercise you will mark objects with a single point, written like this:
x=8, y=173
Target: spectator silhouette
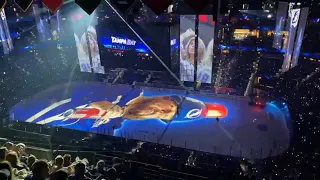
x=40, y=171
x=66, y=160
x=3, y=153
x=14, y=160
x=58, y=164
x=79, y=172
x=99, y=169
x=6, y=171
x=31, y=159
x=20, y=149
x=9, y=146
x=59, y=175
x=112, y=174
x=117, y=165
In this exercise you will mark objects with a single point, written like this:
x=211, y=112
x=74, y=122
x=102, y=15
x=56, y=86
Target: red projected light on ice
x=216, y=110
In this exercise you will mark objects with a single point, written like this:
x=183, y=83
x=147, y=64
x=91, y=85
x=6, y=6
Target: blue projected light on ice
x=131, y=106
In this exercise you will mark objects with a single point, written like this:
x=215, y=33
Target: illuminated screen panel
x=300, y=35
x=118, y=43
x=174, y=48
x=5, y=33
x=280, y=23
x=120, y=48
x=205, y=48
x=294, y=15
x=86, y=39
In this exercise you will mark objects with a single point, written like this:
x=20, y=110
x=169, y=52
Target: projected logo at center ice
x=137, y=107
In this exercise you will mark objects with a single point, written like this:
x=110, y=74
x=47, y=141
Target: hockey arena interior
x=177, y=89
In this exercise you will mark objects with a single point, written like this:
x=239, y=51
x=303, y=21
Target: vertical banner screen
x=294, y=15
x=5, y=33
x=280, y=22
x=205, y=48
x=174, y=47
x=300, y=34
x=86, y=42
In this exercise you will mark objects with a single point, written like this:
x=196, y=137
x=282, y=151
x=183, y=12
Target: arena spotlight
x=23, y=4
x=158, y=6
x=88, y=5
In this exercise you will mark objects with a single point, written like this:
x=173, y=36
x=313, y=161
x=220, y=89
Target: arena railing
x=34, y=138
x=42, y=139
x=148, y=170
x=155, y=171
x=40, y=152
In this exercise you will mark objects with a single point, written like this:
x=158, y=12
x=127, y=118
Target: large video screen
x=121, y=48
x=205, y=48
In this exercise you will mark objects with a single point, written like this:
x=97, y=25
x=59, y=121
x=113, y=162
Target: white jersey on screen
x=84, y=60
x=187, y=72
x=204, y=73
x=96, y=64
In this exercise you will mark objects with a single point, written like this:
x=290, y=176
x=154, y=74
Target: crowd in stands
x=115, y=157
x=15, y=164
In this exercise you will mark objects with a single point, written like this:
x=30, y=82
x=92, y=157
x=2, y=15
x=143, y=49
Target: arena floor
x=242, y=130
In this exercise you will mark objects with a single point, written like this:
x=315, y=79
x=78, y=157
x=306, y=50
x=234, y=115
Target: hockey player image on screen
x=111, y=114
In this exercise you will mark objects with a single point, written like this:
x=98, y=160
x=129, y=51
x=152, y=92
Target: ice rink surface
x=246, y=131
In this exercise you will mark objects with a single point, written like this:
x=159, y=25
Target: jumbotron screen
x=106, y=44
x=120, y=47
